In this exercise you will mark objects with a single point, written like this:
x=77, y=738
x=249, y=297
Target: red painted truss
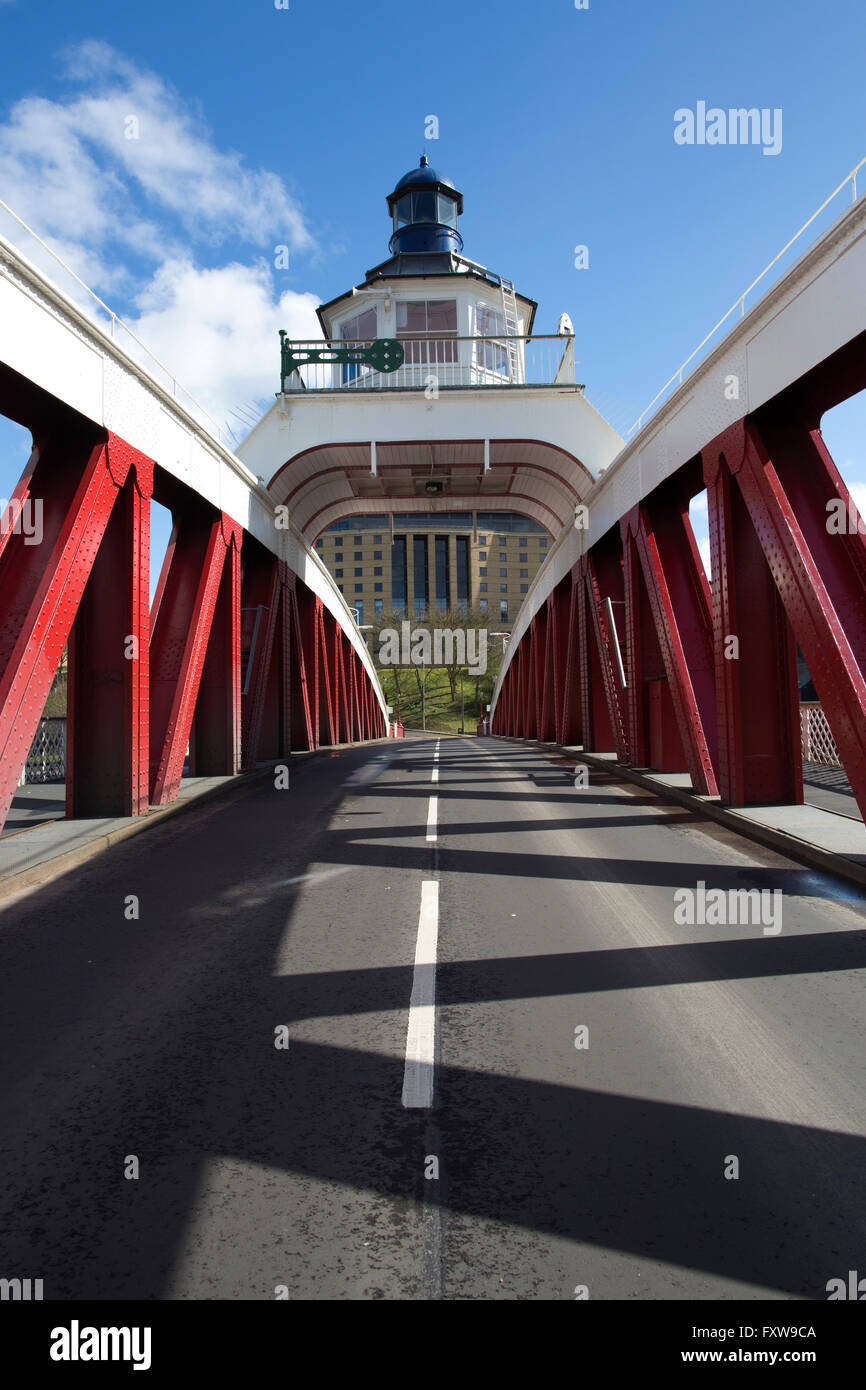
x=708, y=681
x=236, y=662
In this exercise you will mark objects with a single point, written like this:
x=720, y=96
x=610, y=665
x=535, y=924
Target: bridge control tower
x=433, y=298
x=483, y=413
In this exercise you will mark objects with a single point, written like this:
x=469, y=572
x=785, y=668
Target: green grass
x=56, y=702
x=443, y=713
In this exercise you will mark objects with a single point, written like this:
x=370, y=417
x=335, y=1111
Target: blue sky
x=260, y=127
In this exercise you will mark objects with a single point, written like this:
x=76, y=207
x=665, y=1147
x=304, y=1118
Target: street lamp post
x=462, y=709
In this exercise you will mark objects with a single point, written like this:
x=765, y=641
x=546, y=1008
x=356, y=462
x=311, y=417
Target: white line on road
x=434, y=800
x=421, y=1035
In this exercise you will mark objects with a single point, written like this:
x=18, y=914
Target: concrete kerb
x=54, y=866
x=841, y=866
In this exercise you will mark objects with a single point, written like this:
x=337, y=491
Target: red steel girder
x=261, y=591
x=547, y=722
x=603, y=650
x=344, y=703
x=539, y=639
x=108, y=685
x=187, y=597
x=215, y=742
x=637, y=730
x=287, y=581
x=639, y=524
x=786, y=478
x=327, y=669
x=301, y=718
x=41, y=585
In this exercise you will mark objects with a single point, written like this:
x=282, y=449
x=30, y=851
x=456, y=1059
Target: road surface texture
x=622, y=1106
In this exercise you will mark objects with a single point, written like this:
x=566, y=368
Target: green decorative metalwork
x=383, y=355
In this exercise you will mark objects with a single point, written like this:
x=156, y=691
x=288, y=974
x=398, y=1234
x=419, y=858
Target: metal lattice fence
x=46, y=761
x=817, y=742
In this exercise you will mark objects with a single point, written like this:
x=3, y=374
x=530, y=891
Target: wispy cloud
x=124, y=179
x=218, y=328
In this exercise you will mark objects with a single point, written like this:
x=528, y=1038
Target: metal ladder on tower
x=512, y=326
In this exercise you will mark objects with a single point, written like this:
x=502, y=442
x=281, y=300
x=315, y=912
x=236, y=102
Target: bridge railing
x=120, y=331
x=740, y=303
x=446, y=362
x=46, y=761
x=816, y=741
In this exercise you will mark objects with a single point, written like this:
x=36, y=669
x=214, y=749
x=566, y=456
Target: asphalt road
x=560, y=1167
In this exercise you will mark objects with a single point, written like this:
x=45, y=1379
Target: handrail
x=116, y=319
x=533, y=359
x=448, y=338
x=678, y=374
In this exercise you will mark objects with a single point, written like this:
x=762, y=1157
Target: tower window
x=420, y=320
x=447, y=210
x=490, y=323
x=425, y=205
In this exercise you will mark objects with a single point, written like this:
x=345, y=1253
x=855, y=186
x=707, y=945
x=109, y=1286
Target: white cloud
x=704, y=549
x=135, y=217
x=218, y=329
x=68, y=168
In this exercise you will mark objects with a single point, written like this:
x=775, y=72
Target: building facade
x=412, y=563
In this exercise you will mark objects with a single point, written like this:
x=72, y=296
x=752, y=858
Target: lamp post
x=462, y=709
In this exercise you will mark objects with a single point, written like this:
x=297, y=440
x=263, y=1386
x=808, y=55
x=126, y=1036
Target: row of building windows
x=482, y=540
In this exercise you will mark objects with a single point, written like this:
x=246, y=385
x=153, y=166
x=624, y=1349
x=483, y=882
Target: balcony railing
x=434, y=364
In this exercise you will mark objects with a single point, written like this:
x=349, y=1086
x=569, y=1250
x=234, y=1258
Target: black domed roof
x=424, y=174
x=425, y=177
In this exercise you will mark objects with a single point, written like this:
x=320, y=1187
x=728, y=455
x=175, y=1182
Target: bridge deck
x=559, y=1165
